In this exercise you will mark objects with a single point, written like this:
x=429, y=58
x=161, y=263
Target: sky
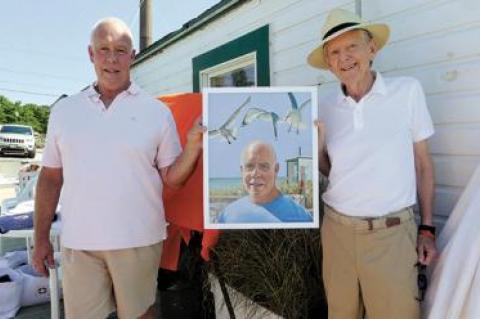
x=224, y=158
x=43, y=47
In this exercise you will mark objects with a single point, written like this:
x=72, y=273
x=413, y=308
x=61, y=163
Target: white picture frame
x=282, y=117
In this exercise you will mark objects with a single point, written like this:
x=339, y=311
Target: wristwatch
x=427, y=231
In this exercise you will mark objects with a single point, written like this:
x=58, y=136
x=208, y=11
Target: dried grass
x=278, y=269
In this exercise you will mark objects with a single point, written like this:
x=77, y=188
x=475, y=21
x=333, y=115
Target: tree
x=28, y=114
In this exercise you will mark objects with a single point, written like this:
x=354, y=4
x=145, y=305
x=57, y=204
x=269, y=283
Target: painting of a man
x=260, y=158
x=264, y=202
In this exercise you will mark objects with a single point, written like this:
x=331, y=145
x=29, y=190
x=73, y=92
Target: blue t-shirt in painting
x=281, y=209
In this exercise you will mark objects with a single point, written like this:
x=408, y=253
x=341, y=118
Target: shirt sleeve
x=51, y=154
x=169, y=147
x=421, y=122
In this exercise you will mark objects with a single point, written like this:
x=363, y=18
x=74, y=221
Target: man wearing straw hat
x=373, y=148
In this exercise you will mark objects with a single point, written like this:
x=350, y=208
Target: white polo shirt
x=112, y=190
x=370, y=145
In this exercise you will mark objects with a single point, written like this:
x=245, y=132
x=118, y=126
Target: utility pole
x=145, y=24
x=358, y=7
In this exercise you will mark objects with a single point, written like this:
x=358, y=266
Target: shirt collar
x=378, y=87
x=133, y=89
x=92, y=93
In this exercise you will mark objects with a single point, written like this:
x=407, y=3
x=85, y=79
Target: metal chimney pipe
x=145, y=24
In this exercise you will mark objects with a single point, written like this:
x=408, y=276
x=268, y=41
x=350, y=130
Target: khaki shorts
x=95, y=283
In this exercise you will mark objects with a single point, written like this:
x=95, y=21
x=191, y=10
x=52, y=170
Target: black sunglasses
x=422, y=281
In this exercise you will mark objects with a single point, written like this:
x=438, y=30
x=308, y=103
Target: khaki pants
x=95, y=283
x=370, y=264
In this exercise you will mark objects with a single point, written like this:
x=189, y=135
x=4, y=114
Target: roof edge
x=189, y=27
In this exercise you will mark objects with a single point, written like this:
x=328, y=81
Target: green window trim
x=254, y=41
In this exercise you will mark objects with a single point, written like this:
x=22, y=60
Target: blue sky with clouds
x=224, y=158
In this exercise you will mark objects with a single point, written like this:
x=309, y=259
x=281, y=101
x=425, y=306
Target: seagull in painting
x=227, y=131
x=294, y=116
x=256, y=113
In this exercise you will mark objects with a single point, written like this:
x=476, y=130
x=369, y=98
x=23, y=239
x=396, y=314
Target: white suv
x=17, y=139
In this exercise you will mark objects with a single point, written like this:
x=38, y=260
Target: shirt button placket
x=358, y=116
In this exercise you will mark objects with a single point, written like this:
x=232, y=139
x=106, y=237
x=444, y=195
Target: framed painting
x=260, y=158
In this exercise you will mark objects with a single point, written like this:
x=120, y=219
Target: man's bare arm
x=177, y=174
x=425, y=181
x=49, y=185
x=323, y=159
x=425, y=187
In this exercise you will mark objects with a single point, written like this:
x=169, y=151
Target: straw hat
x=340, y=21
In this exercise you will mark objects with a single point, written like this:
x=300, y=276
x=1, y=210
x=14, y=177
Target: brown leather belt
x=371, y=223
x=389, y=222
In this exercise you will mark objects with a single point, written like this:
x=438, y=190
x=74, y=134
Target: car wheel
x=31, y=154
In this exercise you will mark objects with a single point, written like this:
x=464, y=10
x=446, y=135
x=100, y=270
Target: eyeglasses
x=422, y=281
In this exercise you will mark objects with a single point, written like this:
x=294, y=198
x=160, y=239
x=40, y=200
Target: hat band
x=338, y=28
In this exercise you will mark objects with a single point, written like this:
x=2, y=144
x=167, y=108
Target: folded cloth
x=13, y=259
x=11, y=287
x=23, y=207
x=17, y=222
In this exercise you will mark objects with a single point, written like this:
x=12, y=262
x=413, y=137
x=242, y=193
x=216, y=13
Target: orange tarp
x=184, y=207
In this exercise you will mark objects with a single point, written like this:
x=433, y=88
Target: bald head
x=111, y=52
x=259, y=172
x=258, y=146
x=110, y=24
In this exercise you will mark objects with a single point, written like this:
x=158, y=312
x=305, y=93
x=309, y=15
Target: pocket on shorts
x=411, y=231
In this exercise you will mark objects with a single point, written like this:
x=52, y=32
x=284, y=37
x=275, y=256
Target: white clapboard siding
x=456, y=139
x=435, y=41
x=440, y=78
x=454, y=170
x=460, y=44
x=375, y=10
x=420, y=17
x=445, y=199
x=300, y=24
x=455, y=108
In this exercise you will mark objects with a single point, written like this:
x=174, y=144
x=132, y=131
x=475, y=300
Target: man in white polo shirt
x=373, y=148
x=111, y=147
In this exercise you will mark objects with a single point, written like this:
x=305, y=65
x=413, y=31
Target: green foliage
x=27, y=114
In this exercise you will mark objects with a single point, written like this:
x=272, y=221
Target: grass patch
x=277, y=269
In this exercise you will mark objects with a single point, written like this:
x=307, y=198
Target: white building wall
x=436, y=41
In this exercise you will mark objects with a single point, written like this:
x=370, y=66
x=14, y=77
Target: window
x=237, y=72
x=23, y=130
x=240, y=62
